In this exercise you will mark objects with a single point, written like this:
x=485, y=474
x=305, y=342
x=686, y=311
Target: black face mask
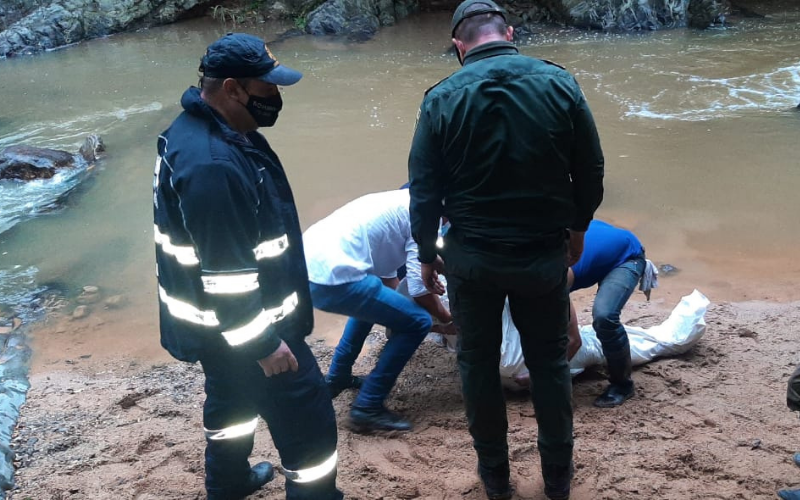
x=264, y=110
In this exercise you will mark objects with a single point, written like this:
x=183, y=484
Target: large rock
x=634, y=15
x=357, y=19
x=706, y=13
x=29, y=162
x=62, y=22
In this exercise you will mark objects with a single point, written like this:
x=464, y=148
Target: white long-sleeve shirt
x=369, y=235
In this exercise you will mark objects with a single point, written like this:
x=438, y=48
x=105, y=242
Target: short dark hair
x=211, y=85
x=472, y=28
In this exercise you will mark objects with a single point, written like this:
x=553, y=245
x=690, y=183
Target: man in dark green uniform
x=506, y=148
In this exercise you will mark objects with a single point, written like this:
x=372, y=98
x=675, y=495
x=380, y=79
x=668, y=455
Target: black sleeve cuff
x=581, y=225
x=427, y=256
x=266, y=346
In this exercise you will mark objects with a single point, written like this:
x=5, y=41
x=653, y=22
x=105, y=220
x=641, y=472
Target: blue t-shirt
x=605, y=247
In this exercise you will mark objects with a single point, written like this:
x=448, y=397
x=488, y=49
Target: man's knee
x=610, y=331
x=421, y=323
x=414, y=320
x=605, y=318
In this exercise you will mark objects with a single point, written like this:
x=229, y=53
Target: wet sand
x=124, y=421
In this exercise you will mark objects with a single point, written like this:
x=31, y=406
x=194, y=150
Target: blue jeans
x=612, y=294
x=368, y=302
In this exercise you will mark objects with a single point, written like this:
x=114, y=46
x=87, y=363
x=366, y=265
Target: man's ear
x=460, y=52
x=234, y=89
x=510, y=34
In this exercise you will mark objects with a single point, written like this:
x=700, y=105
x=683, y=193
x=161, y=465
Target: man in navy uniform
x=232, y=280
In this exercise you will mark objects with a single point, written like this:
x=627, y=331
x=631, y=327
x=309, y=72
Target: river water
x=698, y=129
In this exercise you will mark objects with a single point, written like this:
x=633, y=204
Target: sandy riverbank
x=709, y=424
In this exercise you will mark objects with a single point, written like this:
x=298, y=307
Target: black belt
x=546, y=242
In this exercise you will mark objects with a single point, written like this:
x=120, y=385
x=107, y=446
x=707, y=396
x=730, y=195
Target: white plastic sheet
x=676, y=335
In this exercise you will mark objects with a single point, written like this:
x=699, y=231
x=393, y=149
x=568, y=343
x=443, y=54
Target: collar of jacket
x=195, y=105
x=490, y=49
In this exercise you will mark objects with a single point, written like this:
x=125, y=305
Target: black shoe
x=557, y=479
x=615, y=395
x=496, y=481
x=336, y=386
x=789, y=494
x=366, y=420
x=260, y=474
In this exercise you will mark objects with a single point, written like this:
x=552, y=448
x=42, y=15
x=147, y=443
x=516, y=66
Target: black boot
x=496, y=481
x=367, y=420
x=336, y=386
x=557, y=479
x=260, y=474
x=620, y=387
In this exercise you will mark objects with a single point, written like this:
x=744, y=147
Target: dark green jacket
x=507, y=149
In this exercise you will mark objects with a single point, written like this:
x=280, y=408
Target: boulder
x=26, y=163
x=359, y=20
x=636, y=15
x=62, y=22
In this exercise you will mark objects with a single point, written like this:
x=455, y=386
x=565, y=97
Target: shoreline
x=710, y=423
x=133, y=330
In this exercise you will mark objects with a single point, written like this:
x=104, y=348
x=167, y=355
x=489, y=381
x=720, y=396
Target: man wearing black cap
x=506, y=148
x=232, y=280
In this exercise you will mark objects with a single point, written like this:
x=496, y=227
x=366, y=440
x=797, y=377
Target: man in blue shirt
x=612, y=258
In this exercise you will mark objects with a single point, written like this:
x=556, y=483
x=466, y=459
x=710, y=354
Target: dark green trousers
x=478, y=284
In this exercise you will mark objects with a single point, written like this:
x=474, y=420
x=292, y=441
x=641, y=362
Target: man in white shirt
x=353, y=256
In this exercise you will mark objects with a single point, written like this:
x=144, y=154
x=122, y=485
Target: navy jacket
x=229, y=250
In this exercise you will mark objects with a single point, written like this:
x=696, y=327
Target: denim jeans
x=368, y=302
x=612, y=294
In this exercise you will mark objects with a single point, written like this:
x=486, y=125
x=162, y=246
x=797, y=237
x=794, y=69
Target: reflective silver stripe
x=186, y=311
x=312, y=473
x=184, y=254
x=439, y=242
x=233, y=431
x=230, y=283
x=265, y=318
x=271, y=248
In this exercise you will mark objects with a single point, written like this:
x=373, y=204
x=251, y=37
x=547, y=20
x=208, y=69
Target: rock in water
x=26, y=163
x=667, y=269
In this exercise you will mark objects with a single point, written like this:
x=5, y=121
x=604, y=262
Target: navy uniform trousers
x=296, y=406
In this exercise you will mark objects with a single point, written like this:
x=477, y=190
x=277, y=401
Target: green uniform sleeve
x=425, y=173
x=588, y=164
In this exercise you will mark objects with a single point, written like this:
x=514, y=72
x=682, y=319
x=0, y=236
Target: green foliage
x=224, y=15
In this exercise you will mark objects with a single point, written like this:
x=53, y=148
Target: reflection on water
x=699, y=142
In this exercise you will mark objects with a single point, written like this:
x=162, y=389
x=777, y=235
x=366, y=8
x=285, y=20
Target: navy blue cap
x=239, y=55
